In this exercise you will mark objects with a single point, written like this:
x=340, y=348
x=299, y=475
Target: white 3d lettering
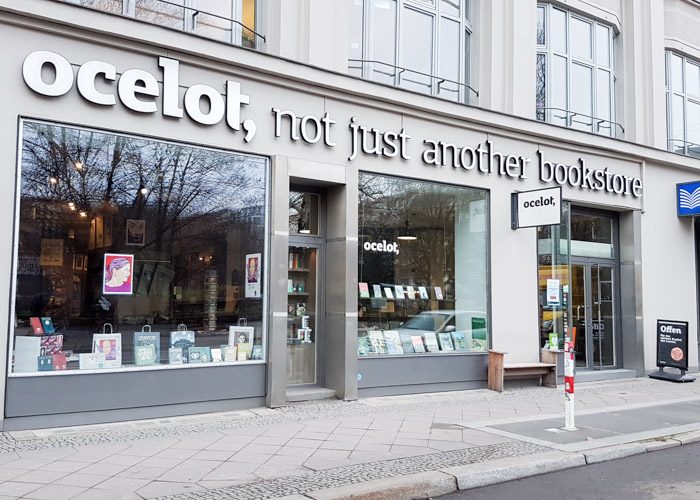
x=138, y=90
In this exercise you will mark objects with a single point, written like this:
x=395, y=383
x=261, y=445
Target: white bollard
x=569, y=362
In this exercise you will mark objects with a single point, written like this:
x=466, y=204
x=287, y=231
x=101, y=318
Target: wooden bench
x=498, y=371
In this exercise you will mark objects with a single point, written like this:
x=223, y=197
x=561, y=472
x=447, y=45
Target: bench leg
x=495, y=379
x=550, y=380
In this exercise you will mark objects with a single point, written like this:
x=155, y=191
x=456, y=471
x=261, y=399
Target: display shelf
x=298, y=269
x=298, y=294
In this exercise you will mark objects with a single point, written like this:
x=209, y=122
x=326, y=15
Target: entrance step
x=596, y=375
x=309, y=393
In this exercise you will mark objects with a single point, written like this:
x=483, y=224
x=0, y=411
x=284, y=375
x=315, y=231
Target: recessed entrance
x=305, y=311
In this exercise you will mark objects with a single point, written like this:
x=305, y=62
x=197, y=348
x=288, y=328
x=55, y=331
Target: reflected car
x=448, y=321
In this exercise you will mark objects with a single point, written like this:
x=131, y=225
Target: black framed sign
x=672, y=344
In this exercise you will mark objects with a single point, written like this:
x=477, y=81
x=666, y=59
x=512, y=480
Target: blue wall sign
x=688, y=198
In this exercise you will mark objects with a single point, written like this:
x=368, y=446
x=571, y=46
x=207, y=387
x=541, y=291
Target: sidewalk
x=393, y=447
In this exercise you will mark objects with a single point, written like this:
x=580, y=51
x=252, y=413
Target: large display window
x=423, y=267
x=133, y=253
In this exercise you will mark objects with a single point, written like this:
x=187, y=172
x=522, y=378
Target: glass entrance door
x=302, y=315
x=593, y=309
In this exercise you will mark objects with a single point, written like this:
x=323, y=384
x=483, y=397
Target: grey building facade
x=220, y=205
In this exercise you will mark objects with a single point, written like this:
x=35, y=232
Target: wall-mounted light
x=407, y=234
x=53, y=180
x=143, y=191
x=79, y=166
x=83, y=213
x=71, y=205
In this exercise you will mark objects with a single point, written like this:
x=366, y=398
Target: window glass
x=580, y=38
x=558, y=30
x=558, y=91
x=580, y=77
x=694, y=122
x=468, y=95
x=355, y=35
x=449, y=58
x=248, y=20
x=303, y=213
x=113, y=6
x=422, y=267
x=449, y=7
x=678, y=121
x=581, y=89
x=382, y=40
x=540, y=26
x=677, y=73
x=161, y=13
x=416, y=50
x=592, y=236
x=602, y=43
x=418, y=43
x=540, y=84
x=216, y=26
x=553, y=264
x=135, y=252
x=603, y=104
x=692, y=79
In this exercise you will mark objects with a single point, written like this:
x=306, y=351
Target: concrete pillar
x=340, y=347
x=631, y=291
x=314, y=32
x=640, y=67
x=506, y=50
x=277, y=291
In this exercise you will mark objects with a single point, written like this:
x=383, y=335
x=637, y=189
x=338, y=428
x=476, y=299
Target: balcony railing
x=580, y=121
x=683, y=147
x=177, y=15
x=410, y=79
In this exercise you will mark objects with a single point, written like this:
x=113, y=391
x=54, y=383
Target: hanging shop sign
x=688, y=199
x=541, y=207
x=52, y=75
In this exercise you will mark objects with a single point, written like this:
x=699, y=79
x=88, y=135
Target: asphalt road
x=672, y=474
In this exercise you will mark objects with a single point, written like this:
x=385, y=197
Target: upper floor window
x=683, y=104
x=420, y=45
x=231, y=21
x=575, y=72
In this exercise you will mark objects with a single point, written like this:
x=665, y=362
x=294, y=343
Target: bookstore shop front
x=189, y=235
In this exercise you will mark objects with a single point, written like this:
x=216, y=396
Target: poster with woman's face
x=118, y=274
x=252, y=280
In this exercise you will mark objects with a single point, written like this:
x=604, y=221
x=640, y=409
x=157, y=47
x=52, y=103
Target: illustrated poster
x=252, y=275
x=118, y=274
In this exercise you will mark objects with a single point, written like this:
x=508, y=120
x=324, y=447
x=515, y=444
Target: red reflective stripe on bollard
x=569, y=384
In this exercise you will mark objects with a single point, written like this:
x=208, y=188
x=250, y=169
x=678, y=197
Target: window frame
x=487, y=270
x=265, y=324
x=670, y=93
x=432, y=8
x=596, y=67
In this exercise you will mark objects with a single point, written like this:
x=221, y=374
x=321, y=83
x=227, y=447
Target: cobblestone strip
x=352, y=474
x=311, y=410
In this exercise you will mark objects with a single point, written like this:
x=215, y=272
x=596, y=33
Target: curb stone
x=597, y=455
x=663, y=445
x=421, y=485
x=453, y=479
x=687, y=437
x=499, y=471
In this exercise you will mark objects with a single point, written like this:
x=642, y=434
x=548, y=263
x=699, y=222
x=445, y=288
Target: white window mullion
x=129, y=8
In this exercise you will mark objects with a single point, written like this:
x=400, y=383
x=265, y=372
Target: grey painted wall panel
x=105, y=391
x=417, y=370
